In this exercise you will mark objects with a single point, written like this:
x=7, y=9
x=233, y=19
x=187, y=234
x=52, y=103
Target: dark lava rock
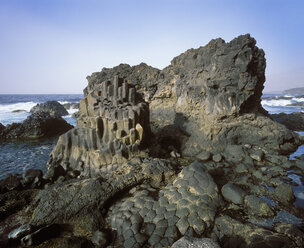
x=20, y=232
x=2, y=127
x=32, y=177
x=52, y=107
x=293, y=121
x=11, y=182
x=38, y=125
x=41, y=235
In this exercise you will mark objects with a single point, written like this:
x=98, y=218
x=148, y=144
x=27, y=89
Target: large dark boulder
x=293, y=121
x=52, y=107
x=38, y=125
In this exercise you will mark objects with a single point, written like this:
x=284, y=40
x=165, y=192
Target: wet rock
x=293, y=121
x=33, y=177
x=54, y=172
x=186, y=242
x=233, y=193
x=37, y=125
x=233, y=233
x=175, y=154
x=20, y=232
x=257, y=206
x=284, y=193
x=40, y=235
x=11, y=182
x=52, y=107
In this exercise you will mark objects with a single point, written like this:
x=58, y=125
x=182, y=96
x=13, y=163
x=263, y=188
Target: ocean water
x=17, y=156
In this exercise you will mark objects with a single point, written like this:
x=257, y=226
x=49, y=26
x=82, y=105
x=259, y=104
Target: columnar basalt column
x=113, y=126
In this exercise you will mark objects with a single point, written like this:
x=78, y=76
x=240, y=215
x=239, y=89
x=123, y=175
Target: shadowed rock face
x=112, y=126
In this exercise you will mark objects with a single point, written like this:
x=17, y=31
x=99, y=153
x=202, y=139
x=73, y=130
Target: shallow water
x=16, y=157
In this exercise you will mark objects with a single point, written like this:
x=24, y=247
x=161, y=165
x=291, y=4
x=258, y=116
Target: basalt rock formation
x=113, y=125
x=211, y=95
x=52, y=107
x=232, y=186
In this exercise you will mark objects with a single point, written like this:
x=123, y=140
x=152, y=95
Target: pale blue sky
x=51, y=46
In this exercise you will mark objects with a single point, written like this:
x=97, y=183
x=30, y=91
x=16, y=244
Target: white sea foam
x=281, y=102
x=72, y=111
x=8, y=108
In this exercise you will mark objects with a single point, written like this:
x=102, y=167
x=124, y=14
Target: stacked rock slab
x=112, y=126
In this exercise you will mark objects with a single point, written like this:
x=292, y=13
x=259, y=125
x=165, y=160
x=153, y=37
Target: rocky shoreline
x=165, y=158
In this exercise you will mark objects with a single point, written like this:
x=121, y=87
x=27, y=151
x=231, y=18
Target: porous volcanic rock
x=54, y=108
x=37, y=125
x=212, y=94
x=113, y=125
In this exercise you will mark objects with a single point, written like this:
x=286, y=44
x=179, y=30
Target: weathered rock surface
x=38, y=125
x=233, y=193
x=293, y=121
x=52, y=107
x=212, y=94
x=185, y=242
x=187, y=207
x=113, y=126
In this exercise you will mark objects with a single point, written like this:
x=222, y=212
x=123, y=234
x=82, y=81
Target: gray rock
x=293, y=121
x=52, y=107
x=257, y=155
x=204, y=156
x=32, y=177
x=257, y=206
x=233, y=193
x=217, y=158
x=35, y=126
x=99, y=239
x=186, y=242
x=113, y=125
x=284, y=193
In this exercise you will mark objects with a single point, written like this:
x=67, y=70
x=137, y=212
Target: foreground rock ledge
x=126, y=191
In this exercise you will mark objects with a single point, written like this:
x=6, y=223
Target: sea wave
x=25, y=106
x=281, y=102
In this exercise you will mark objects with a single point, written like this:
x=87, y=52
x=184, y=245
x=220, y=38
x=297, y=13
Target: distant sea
x=15, y=157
